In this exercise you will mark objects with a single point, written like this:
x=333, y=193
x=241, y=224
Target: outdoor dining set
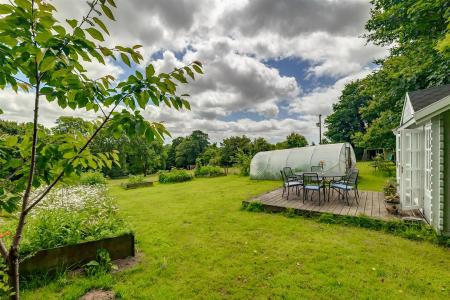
x=322, y=182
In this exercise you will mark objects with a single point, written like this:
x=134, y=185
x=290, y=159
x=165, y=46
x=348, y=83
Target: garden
x=114, y=207
x=194, y=241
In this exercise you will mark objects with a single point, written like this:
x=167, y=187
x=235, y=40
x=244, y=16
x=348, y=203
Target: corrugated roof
x=422, y=98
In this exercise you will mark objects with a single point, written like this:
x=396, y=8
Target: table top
x=322, y=175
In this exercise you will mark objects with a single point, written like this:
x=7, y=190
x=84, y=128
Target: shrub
x=243, y=161
x=71, y=215
x=174, y=176
x=209, y=171
x=92, y=178
x=385, y=167
x=136, y=179
x=254, y=206
x=101, y=265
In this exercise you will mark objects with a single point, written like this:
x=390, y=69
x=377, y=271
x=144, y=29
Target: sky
x=271, y=67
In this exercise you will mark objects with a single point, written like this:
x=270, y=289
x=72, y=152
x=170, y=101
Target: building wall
x=436, y=173
x=446, y=179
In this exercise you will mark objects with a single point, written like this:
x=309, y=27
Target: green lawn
x=369, y=179
x=195, y=242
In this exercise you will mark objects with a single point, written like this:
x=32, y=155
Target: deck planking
x=370, y=204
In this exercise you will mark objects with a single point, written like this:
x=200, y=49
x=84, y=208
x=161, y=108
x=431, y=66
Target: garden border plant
x=412, y=230
x=47, y=57
x=175, y=176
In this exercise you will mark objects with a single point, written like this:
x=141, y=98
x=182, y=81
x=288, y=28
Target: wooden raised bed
x=73, y=256
x=137, y=185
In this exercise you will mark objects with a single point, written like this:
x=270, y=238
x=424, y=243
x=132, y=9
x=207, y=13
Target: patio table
x=325, y=177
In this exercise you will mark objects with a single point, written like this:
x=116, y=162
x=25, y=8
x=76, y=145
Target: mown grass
x=369, y=179
x=196, y=243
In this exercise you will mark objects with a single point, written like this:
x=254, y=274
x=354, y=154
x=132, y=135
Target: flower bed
x=174, y=176
x=71, y=215
x=209, y=171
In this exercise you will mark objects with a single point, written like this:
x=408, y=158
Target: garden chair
x=346, y=185
x=311, y=182
x=290, y=174
x=289, y=183
x=316, y=169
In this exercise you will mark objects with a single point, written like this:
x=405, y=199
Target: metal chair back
x=352, y=178
x=288, y=172
x=311, y=179
x=316, y=169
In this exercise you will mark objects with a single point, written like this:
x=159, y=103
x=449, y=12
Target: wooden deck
x=371, y=204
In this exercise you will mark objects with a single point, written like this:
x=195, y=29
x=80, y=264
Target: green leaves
x=125, y=59
x=107, y=12
x=95, y=34
x=101, y=24
x=72, y=22
x=5, y=9
x=149, y=71
x=48, y=63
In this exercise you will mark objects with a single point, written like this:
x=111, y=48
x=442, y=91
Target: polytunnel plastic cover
x=335, y=158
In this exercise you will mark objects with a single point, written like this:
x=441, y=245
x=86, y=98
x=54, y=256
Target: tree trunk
x=13, y=273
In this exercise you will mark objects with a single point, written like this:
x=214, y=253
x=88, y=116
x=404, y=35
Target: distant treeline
x=139, y=156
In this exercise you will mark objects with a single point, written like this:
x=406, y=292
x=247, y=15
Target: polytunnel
x=335, y=159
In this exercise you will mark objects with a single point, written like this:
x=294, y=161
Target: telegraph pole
x=319, y=124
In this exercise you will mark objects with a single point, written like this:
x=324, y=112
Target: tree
x=260, y=144
x=211, y=156
x=171, y=152
x=145, y=156
x=346, y=119
x=295, y=140
x=72, y=125
x=41, y=56
x=230, y=147
x=416, y=32
x=191, y=147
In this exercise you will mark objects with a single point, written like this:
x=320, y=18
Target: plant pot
x=392, y=207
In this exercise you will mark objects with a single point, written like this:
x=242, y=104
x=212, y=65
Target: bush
x=136, y=179
x=69, y=216
x=174, y=176
x=92, y=178
x=243, y=161
x=209, y=171
x=383, y=166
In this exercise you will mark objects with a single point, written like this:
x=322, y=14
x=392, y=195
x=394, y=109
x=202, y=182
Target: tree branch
x=39, y=198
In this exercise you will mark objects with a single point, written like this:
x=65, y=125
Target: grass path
x=196, y=243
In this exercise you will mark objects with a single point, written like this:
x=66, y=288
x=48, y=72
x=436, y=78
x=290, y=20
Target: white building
x=423, y=155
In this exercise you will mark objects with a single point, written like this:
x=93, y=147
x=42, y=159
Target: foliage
x=253, y=206
x=143, y=156
x=174, y=176
x=209, y=171
x=70, y=215
x=5, y=289
x=211, y=156
x=260, y=144
x=346, y=118
x=190, y=148
x=73, y=126
x=390, y=188
x=133, y=179
x=243, y=161
x=382, y=165
x=101, y=265
x=295, y=140
x=230, y=146
x=370, y=108
x=92, y=178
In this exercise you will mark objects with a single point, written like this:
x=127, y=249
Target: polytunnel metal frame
x=276, y=159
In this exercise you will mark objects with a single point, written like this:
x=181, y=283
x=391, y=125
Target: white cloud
x=233, y=39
